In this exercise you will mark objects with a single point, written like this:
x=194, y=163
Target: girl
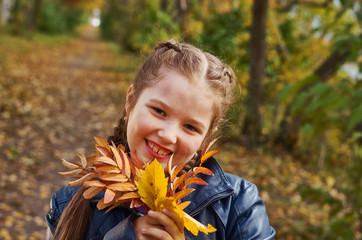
x=175, y=104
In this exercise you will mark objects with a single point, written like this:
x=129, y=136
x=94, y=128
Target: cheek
x=189, y=148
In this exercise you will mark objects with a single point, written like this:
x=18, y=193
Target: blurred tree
x=252, y=121
x=345, y=49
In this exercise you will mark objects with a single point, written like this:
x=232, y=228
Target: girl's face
x=171, y=117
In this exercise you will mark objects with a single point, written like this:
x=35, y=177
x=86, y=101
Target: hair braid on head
x=120, y=131
x=171, y=44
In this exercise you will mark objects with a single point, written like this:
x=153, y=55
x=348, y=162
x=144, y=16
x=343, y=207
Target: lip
x=156, y=155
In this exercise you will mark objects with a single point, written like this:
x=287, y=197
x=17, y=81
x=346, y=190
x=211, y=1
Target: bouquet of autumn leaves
x=127, y=182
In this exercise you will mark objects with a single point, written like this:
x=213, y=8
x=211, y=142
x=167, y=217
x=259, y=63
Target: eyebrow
x=191, y=121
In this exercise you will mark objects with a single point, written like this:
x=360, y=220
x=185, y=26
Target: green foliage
x=56, y=18
x=146, y=25
x=227, y=35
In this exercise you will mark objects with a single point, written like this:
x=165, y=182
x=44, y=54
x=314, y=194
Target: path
x=57, y=99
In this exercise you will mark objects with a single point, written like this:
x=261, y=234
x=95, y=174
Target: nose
x=168, y=133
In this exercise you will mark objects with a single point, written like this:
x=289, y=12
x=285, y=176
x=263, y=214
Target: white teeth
x=156, y=149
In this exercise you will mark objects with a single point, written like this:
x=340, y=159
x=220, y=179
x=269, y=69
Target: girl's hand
x=155, y=225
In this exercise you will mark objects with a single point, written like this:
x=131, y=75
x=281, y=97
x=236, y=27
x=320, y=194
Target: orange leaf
x=207, y=147
x=91, y=192
x=109, y=196
x=101, y=204
x=104, y=152
x=195, y=180
x=83, y=160
x=209, y=154
x=128, y=195
x=126, y=165
x=183, y=205
x=122, y=187
x=102, y=142
x=106, y=160
x=203, y=170
x=136, y=161
x=179, y=180
x=82, y=179
x=183, y=193
x=108, y=169
x=117, y=157
x=93, y=183
x=69, y=165
x=71, y=172
x=116, y=177
x=176, y=171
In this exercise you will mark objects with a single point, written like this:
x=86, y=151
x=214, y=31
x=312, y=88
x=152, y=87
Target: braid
x=120, y=132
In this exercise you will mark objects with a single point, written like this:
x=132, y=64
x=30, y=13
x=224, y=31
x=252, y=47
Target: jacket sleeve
x=122, y=231
x=250, y=220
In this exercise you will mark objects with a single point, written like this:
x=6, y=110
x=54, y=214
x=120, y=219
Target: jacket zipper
x=211, y=200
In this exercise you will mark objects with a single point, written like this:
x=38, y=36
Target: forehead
x=181, y=94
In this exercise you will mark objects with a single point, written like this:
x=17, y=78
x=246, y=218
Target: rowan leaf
x=194, y=180
x=81, y=180
x=117, y=157
x=93, y=183
x=209, y=154
x=106, y=160
x=104, y=152
x=183, y=193
x=203, y=170
x=126, y=164
x=71, y=172
x=128, y=196
x=108, y=169
x=115, y=177
x=83, y=160
x=195, y=226
x=102, y=142
x=122, y=187
x=91, y=192
x=208, y=146
x=183, y=205
x=69, y=165
x=109, y=196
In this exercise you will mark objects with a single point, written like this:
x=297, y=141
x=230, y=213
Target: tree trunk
x=5, y=13
x=183, y=19
x=252, y=122
x=290, y=125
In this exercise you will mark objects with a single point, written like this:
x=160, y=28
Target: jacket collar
x=218, y=187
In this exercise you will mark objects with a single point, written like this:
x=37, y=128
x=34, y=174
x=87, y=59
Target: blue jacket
x=229, y=203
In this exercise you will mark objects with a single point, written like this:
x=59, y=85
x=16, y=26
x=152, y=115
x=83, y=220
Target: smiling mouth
x=156, y=149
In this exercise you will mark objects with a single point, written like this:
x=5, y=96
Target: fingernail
x=144, y=230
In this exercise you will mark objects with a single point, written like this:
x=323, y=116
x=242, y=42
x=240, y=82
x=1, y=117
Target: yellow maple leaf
x=152, y=187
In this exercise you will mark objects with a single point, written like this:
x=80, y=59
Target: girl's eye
x=158, y=111
x=190, y=127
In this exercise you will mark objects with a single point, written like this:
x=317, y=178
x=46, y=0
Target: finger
x=175, y=217
x=169, y=224
x=156, y=233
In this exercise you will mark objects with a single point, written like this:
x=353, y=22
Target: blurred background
x=295, y=131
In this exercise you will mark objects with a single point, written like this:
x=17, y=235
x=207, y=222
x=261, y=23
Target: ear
x=129, y=98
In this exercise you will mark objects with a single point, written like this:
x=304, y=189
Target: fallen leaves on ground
x=53, y=99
